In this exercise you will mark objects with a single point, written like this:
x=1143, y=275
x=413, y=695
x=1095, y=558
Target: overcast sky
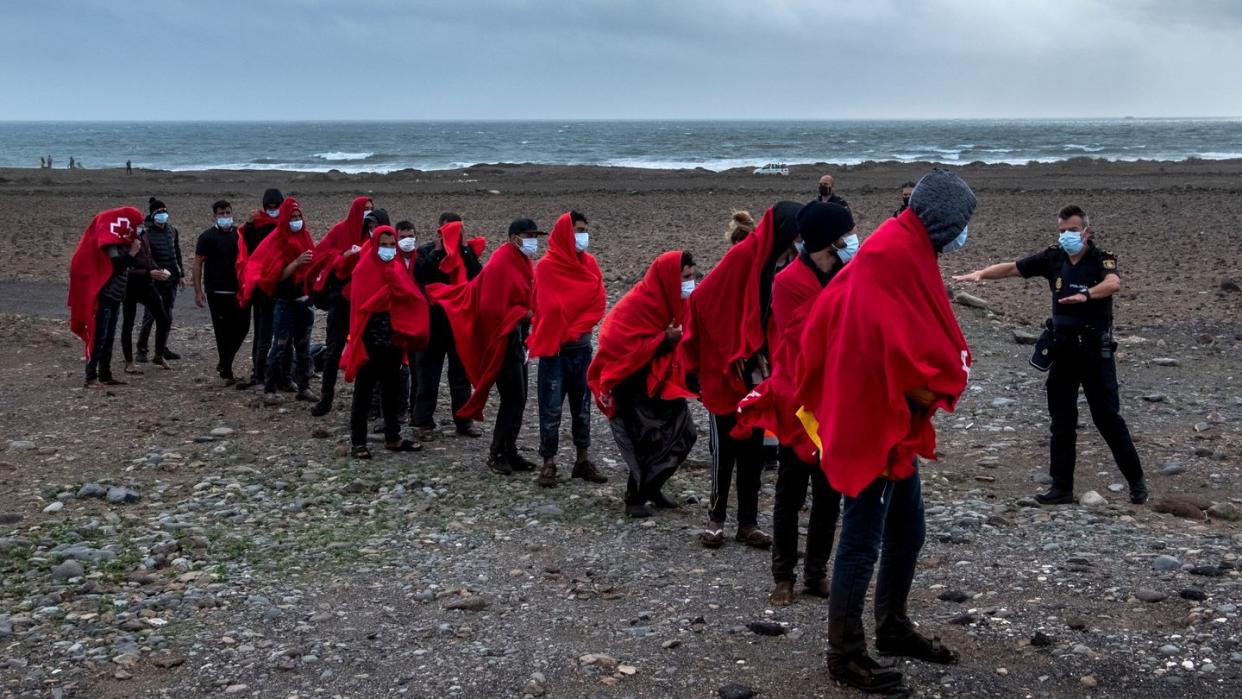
x=563, y=59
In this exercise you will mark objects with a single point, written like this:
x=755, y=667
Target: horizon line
x=618, y=119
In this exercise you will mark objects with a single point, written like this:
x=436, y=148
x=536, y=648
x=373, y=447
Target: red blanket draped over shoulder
x=882, y=329
x=259, y=219
x=452, y=264
x=91, y=268
x=772, y=406
x=725, y=323
x=569, y=293
x=482, y=313
x=282, y=246
x=634, y=329
x=383, y=287
x=343, y=235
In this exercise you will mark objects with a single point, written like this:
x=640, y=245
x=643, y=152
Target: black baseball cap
x=524, y=225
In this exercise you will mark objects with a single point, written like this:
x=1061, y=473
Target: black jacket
x=166, y=250
x=427, y=266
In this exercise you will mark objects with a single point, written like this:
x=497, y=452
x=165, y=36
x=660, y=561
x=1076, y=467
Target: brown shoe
x=426, y=434
x=713, y=536
x=587, y=472
x=469, y=431
x=547, y=475
x=818, y=588
x=753, y=537
x=160, y=362
x=129, y=368
x=783, y=594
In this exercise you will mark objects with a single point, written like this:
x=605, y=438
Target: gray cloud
x=497, y=59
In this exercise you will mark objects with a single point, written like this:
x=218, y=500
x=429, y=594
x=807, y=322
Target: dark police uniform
x=1082, y=355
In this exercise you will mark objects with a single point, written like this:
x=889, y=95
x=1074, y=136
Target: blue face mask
x=1071, y=242
x=848, y=252
x=273, y=212
x=224, y=222
x=160, y=218
x=582, y=239
x=387, y=254
x=959, y=242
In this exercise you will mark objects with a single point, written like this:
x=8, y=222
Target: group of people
x=843, y=351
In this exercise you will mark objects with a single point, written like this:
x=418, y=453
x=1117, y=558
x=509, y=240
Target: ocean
x=714, y=145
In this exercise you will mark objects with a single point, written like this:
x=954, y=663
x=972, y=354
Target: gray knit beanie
x=944, y=203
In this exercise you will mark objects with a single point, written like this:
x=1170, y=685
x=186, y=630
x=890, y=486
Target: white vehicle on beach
x=773, y=169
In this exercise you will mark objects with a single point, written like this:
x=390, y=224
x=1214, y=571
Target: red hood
x=90, y=267
x=383, y=287
x=569, y=293
x=266, y=264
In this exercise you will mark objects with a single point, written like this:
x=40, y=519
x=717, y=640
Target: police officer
x=1083, y=279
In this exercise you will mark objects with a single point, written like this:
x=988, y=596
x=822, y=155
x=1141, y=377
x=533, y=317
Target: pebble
x=1041, y=640
x=117, y=495
x=1166, y=562
x=54, y=507
x=1172, y=468
x=473, y=603
x=1092, y=499
x=1169, y=650
x=766, y=628
x=735, y=691
x=605, y=662
x=68, y=569
x=1151, y=596
x=1003, y=402
x=1166, y=361
x=1089, y=681
x=92, y=490
x=21, y=445
x=1193, y=595
x=953, y=596
x=1155, y=398
x=222, y=431
x=1226, y=511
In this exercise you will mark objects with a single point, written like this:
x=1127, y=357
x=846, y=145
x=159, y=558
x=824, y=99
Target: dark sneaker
x=306, y=396
x=637, y=510
x=662, y=501
x=500, y=464
x=547, y=476
x=320, y=409
x=169, y=354
x=245, y=384
x=818, y=588
x=1055, y=496
x=783, y=594
x=469, y=431
x=914, y=645
x=141, y=358
x=587, y=472
x=521, y=463
x=862, y=672
x=1138, y=492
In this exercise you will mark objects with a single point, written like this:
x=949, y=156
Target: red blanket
x=258, y=219
x=569, y=293
x=771, y=405
x=91, y=268
x=265, y=265
x=482, y=313
x=452, y=264
x=725, y=325
x=632, y=331
x=881, y=330
x=345, y=234
x=383, y=287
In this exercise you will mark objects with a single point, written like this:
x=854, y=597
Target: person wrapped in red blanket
x=490, y=316
x=725, y=349
x=261, y=306
x=98, y=274
x=881, y=353
x=327, y=283
x=828, y=242
x=568, y=303
x=388, y=320
x=638, y=384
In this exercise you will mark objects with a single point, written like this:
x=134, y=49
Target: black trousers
x=292, y=321
x=99, y=366
x=511, y=384
x=168, y=295
x=154, y=303
x=335, y=334
x=428, y=366
x=743, y=456
x=1081, y=364
x=382, y=367
x=791, y=486
x=263, y=309
x=230, y=323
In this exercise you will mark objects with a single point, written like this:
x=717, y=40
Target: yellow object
x=811, y=425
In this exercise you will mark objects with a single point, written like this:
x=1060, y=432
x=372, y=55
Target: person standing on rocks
x=328, y=282
x=724, y=352
x=887, y=354
x=249, y=237
x=98, y=275
x=906, y=189
x=144, y=272
x=828, y=192
x=490, y=317
x=452, y=260
x=638, y=383
x=568, y=303
x=829, y=242
x=165, y=243
x=1083, y=279
x=388, y=321
x=215, y=286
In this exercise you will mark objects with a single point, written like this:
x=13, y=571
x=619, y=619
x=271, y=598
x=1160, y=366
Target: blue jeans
x=99, y=366
x=291, y=329
x=561, y=376
x=885, y=521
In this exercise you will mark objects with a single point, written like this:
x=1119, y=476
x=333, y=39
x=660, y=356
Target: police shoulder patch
x=1110, y=263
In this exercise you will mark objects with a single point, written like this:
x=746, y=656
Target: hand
x=181, y=283
x=160, y=275
x=303, y=259
x=1075, y=299
x=353, y=250
x=200, y=299
x=673, y=333
x=976, y=276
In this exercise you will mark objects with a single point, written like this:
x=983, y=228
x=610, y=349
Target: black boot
x=497, y=459
x=635, y=503
x=1055, y=496
x=1138, y=492
x=860, y=671
x=516, y=460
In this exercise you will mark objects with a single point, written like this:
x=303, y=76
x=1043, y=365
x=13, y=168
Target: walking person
x=98, y=275
x=258, y=302
x=144, y=272
x=215, y=286
x=165, y=243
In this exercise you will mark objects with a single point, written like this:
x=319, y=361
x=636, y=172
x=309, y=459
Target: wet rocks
x=1165, y=562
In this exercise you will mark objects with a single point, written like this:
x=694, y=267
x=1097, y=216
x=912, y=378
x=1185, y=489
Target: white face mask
x=530, y=246
x=407, y=244
x=687, y=288
x=295, y=226
x=848, y=252
x=581, y=240
x=959, y=242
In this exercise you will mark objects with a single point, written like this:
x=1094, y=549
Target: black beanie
x=154, y=205
x=381, y=217
x=272, y=199
x=822, y=224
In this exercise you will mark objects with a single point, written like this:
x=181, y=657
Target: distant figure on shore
x=42, y=163
x=129, y=167
x=907, y=188
x=49, y=162
x=828, y=192
x=71, y=163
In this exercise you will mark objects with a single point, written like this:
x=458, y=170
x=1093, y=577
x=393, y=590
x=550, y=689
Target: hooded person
x=449, y=260
x=638, y=383
x=249, y=237
x=327, y=282
x=277, y=269
x=164, y=241
x=388, y=320
x=141, y=289
x=828, y=243
x=568, y=303
x=98, y=275
x=490, y=317
x=881, y=353
x=724, y=349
